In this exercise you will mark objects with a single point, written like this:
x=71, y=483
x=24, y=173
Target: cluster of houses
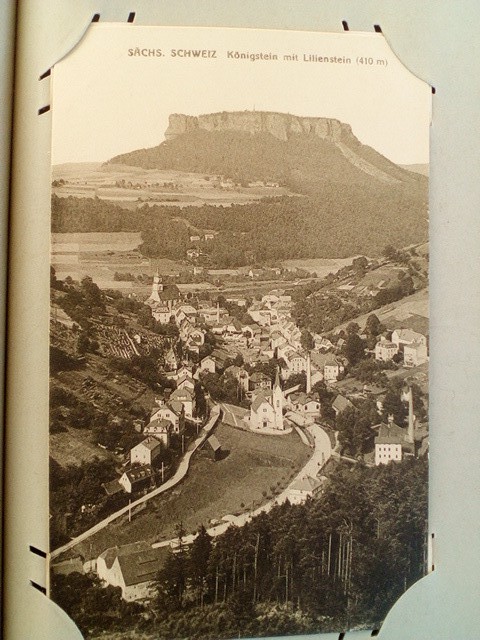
x=410, y=345
x=167, y=417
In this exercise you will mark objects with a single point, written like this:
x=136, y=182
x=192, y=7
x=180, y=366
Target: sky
x=107, y=100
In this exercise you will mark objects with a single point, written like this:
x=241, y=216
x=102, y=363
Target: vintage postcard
x=239, y=335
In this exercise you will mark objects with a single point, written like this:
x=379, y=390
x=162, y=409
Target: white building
x=132, y=567
x=304, y=488
x=385, y=350
x=266, y=411
x=415, y=354
x=146, y=451
x=159, y=429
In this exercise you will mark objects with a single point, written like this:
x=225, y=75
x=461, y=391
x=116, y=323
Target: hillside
x=303, y=153
x=350, y=199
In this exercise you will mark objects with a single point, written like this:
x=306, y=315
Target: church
x=266, y=411
x=163, y=296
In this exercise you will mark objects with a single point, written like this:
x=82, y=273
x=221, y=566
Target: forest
x=336, y=562
x=322, y=225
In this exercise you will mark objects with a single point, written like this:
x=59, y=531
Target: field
x=131, y=187
x=253, y=465
x=321, y=266
x=74, y=447
x=101, y=255
x=411, y=312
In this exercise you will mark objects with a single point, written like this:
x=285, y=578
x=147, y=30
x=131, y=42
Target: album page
x=239, y=332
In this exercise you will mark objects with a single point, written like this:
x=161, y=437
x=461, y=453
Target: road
x=321, y=454
x=174, y=480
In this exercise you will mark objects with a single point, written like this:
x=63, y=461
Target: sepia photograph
x=239, y=332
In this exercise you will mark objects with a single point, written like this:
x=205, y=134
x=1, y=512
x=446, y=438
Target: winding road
x=321, y=454
x=180, y=473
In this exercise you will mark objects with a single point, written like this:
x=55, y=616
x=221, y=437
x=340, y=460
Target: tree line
x=335, y=562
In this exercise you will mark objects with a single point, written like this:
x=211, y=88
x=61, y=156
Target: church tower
x=156, y=287
x=277, y=399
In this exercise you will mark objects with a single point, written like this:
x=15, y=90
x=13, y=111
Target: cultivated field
x=101, y=255
x=150, y=186
x=321, y=266
x=252, y=468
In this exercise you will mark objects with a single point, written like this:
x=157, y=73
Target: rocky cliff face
x=280, y=125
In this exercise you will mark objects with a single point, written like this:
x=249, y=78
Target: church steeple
x=156, y=287
x=277, y=397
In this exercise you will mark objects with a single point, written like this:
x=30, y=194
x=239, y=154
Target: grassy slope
x=212, y=489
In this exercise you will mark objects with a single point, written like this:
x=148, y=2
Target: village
x=357, y=396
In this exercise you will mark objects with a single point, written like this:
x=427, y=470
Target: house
x=392, y=442
x=214, y=447
x=332, y=369
x=132, y=567
x=296, y=362
x=137, y=479
x=187, y=382
x=170, y=411
x=304, y=488
x=146, y=451
x=341, y=403
x=259, y=380
x=401, y=337
x=170, y=360
x=240, y=374
x=195, y=238
x=161, y=313
x=187, y=398
x=160, y=429
x=221, y=356
x=210, y=236
x=252, y=330
x=415, y=354
x=385, y=350
x=304, y=403
x=207, y=364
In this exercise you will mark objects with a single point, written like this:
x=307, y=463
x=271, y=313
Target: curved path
x=321, y=454
x=180, y=473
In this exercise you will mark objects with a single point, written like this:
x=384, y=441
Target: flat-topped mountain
x=303, y=153
x=279, y=125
